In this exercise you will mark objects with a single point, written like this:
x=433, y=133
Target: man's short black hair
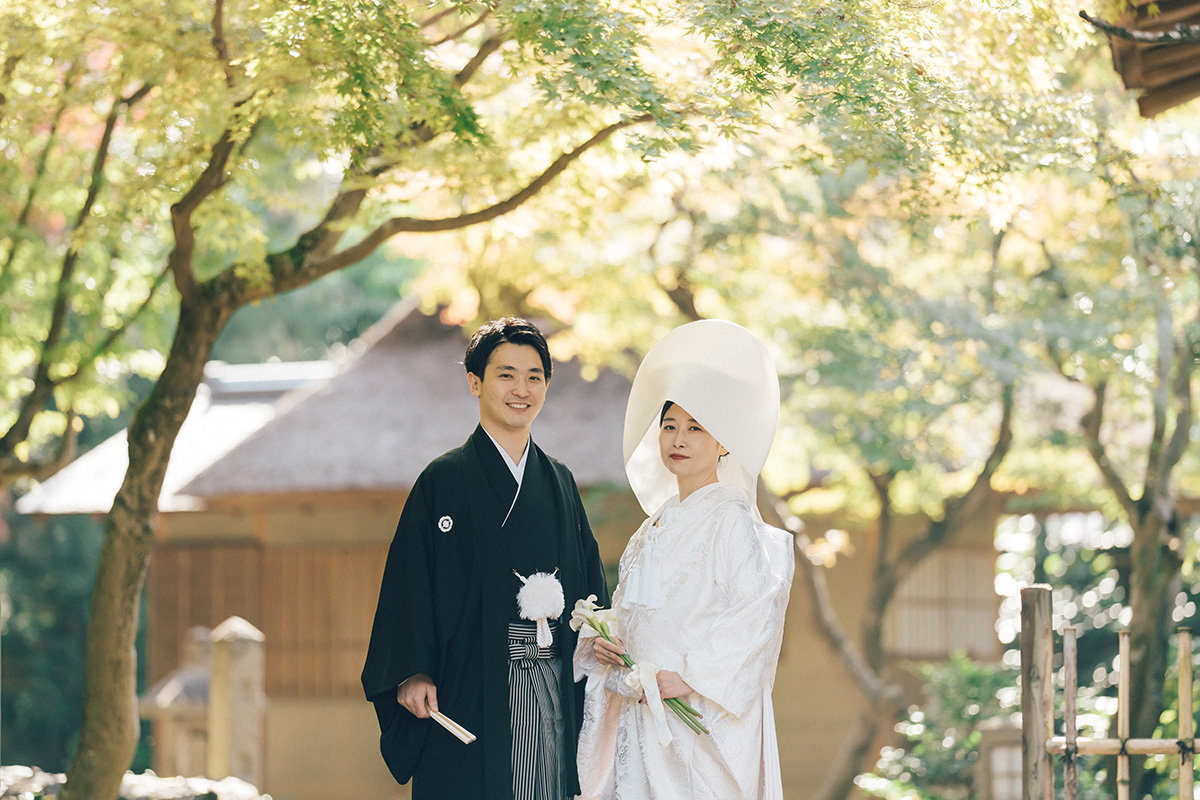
x=510, y=330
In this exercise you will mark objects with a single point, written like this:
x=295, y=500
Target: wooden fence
x=1038, y=741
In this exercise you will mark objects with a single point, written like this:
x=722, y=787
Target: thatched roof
x=400, y=404
x=234, y=401
x=1167, y=70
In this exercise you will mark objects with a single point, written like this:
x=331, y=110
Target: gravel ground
x=27, y=783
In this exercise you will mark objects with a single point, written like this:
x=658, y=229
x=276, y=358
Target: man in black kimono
x=448, y=635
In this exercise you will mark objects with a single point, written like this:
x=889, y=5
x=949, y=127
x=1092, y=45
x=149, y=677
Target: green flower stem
x=690, y=716
x=685, y=713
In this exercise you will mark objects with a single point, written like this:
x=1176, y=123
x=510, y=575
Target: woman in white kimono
x=703, y=584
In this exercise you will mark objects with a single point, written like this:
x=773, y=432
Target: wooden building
x=1165, y=71
x=282, y=496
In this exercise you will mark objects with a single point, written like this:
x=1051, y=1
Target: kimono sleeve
x=403, y=640
x=735, y=659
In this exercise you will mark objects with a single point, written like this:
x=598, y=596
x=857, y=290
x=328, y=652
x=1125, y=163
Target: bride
x=703, y=583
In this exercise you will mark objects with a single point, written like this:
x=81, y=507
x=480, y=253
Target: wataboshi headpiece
x=724, y=377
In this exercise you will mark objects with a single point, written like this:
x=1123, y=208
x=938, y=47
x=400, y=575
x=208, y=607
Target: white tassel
x=540, y=599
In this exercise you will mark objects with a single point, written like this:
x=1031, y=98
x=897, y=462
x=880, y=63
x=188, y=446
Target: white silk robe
x=703, y=589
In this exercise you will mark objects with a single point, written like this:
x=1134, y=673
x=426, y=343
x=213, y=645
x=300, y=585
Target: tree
x=396, y=118
x=1151, y=359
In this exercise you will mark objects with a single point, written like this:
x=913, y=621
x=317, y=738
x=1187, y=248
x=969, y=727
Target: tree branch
x=479, y=20
x=1160, y=396
x=957, y=510
x=296, y=269
x=884, y=578
x=96, y=183
x=816, y=480
x=1053, y=274
x=179, y=262
x=971, y=502
x=682, y=294
x=882, y=483
x=486, y=48
x=1184, y=414
x=39, y=174
x=10, y=66
x=368, y=160
x=115, y=334
x=437, y=17
x=220, y=44
x=43, y=384
x=40, y=171
x=325, y=236
x=775, y=512
x=12, y=468
x=994, y=270
x=1178, y=35
x=1091, y=433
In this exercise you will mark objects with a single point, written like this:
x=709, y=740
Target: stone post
x=237, y=702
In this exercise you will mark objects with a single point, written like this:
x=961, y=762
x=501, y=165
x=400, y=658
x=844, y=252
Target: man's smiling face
x=512, y=389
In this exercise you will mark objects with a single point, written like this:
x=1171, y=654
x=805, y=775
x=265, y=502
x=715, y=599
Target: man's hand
x=607, y=652
x=418, y=695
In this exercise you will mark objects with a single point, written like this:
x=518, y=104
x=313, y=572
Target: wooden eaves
x=1156, y=48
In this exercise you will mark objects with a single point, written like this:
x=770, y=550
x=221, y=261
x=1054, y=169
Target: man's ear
x=474, y=384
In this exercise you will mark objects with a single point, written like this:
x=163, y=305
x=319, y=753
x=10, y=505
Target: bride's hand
x=671, y=685
x=608, y=652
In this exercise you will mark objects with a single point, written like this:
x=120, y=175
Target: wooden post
x=1070, y=731
x=1123, y=714
x=4, y=614
x=1186, y=724
x=1037, y=693
x=236, y=702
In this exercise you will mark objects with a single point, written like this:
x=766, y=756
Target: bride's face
x=687, y=450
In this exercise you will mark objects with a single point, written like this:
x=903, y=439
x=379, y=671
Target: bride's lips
x=677, y=457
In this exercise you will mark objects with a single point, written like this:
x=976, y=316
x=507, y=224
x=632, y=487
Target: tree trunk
x=1154, y=582
x=886, y=698
x=856, y=746
x=109, y=733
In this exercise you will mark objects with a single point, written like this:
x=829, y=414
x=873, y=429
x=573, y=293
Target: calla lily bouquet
x=586, y=613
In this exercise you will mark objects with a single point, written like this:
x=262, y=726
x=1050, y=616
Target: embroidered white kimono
x=703, y=590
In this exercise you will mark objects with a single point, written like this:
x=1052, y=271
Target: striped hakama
x=534, y=703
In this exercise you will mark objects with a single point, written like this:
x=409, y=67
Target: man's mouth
x=519, y=406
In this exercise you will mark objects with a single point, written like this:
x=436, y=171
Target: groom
x=449, y=635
